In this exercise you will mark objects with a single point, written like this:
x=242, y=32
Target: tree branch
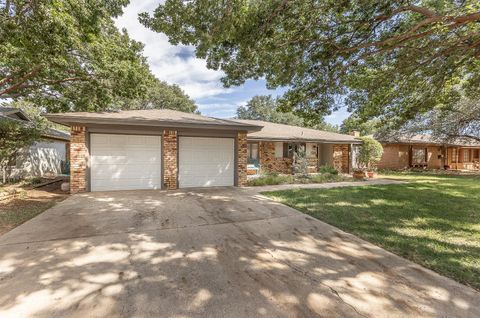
x=22, y=80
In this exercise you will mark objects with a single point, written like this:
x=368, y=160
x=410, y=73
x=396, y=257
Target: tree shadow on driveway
x=215, y=253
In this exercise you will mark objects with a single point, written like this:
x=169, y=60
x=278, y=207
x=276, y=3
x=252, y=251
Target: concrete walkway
x=218, y=252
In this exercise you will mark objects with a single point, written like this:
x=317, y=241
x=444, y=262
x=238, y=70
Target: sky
x=178, y=65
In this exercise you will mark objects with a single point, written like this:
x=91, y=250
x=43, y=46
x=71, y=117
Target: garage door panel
x=126, y=171
x=205, y=162
x=124, y=162
x=125, y=184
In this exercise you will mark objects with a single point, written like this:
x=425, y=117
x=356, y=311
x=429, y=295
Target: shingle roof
x=272, y=131
x=150, y=117
x=9, y=111
x=56, y=134
x=429, y=139
x=5, y=113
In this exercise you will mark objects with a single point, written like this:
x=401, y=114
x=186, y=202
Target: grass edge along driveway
x=434, y=220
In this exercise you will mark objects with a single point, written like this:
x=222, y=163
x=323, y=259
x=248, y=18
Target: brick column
x=241, y=159
x=78, y=159
x=341, y=158
x=170, y=159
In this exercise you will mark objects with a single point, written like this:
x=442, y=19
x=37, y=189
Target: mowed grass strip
x=434, y=220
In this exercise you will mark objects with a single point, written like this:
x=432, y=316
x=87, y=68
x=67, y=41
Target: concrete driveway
x=221, y=252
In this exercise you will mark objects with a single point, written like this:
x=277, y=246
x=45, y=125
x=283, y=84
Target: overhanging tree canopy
x=68, y=54
x=392, y=59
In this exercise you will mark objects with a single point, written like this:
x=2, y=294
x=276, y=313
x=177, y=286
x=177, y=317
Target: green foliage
x=68, y=55
x=300, y=163
x=428, y=219
x=365, y=128
x=273, y=178
x=35, y=180
x=161, y=95
x=445, y=124
x=327, y=169
x=370, y=153
x=267, y=109
x=15, y=136
x=391, y=59
x=269, y=179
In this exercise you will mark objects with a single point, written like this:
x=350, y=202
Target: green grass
x=273, y=179
x=433, y=220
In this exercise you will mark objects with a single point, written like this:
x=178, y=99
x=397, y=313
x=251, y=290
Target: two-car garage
x=154, y=149
x=126, y=162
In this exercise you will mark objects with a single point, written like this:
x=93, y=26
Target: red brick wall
x=390, y=158
x=78, y=159
x=241, y=159
x=341, y=158
x=268, y=161
x=170, y=165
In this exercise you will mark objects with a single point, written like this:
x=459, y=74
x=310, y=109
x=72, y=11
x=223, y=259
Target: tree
x=354, y=123
x=15, y=136
x=391, y=59
x=68, y=55
x=445, y=124
x=300, y=163
x=265, y=108
x=369, y=154
x=161, y=95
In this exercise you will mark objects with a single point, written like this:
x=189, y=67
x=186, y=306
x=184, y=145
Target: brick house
x=422, y=151
x=166, y=149
x=273, y=146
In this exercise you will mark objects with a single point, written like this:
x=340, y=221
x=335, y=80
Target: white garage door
x=124, y=162
x=206, y=162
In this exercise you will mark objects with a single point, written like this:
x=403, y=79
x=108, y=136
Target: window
x=466, y=155
x=290, y=148
x=252, y=152
x=476, y=154
x=454, y=155
x=419, y=156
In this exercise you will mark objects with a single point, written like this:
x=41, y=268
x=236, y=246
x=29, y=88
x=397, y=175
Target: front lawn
x=26, y=203
x=433, y=220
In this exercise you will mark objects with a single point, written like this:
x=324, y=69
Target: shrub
x=326, y=177
x=35, y=180
x=327, y=169
x=369, y=154
x=300, y=163
x=269, y=179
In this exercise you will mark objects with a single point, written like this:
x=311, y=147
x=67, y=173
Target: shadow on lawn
x=435, y=225
x=238, y=256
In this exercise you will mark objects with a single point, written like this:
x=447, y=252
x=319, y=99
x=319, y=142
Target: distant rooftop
x=430, y=140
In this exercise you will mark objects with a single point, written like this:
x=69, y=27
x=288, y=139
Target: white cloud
x=222, y=110
x=173, y=64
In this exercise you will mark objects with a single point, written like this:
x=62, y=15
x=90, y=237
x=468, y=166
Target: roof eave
x=329, y=141
x=69, y=121
x=56, y=138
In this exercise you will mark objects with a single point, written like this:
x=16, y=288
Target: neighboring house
x=47, y=156
x=422, y=151
x=166, y=149
x=272, y=148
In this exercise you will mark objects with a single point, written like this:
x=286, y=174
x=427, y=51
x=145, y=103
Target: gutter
x=326, y=141
x=69, y=120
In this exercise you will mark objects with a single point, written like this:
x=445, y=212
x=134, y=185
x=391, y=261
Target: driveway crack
x=298, y=270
